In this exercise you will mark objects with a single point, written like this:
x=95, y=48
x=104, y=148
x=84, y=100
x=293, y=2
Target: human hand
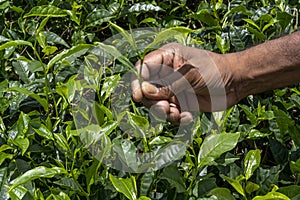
x=177, y=80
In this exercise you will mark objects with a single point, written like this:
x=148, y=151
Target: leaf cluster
x=250, y=151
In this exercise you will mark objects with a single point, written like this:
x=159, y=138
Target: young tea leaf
x=215, y=145
x=251, y=162
x=125, y=186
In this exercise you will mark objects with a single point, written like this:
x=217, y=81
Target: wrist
x=233, y=71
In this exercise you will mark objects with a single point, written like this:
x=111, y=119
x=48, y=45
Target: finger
x=186, y=118
x=159, y=109
x=150, y=68
x=174, y=115
x=187, y=78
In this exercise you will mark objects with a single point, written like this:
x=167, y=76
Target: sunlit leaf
x=235, y=183
x=14, y=43
x=125, y=186
x=38, y=172
x=251, y=162
x=46, y=11
x=215, y=145
x=75, y=51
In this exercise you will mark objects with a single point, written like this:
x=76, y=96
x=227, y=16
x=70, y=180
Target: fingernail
x=149, y=88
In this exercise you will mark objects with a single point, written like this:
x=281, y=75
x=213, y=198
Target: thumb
x=184, y=79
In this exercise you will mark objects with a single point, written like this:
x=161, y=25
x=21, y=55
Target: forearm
x=271, y=65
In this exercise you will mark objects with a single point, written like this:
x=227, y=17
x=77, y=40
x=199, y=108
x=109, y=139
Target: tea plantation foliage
x=252, y=152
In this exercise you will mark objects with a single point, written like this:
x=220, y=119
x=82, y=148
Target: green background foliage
x=43, y=44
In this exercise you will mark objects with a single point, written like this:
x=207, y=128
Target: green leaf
x=41, y=39
x=272, y=196
x=14, y=43
x=43, y=131
x=49, y=50
x=295, y=167
x=240, y=38
x=271, y=23
x=257, y=33
x=215, y=145
x=4, y=156
x=42, y=101
x=38, y=172
x=249, y=21
x=53, y=38
x=206, y=17
x=284, y=19
x=126, y=36
x=290, y=191
x=36, y=66
x=109, y=86
x=62, y=142
x=91, y=174
x=167, y=34
x=251, y=187
x=46, y=11
x=111, y=50
x=75, y=51
x=266, y=177
x=3, y=180
x=126, y=152
x=238, y=9
x=22, y=124
x=73, y=16
x=138, y=120
x=42, y=25
x=221, y=194
x=22, y=143
x=173, y=176
x=235, y=183
x=251, y=162
x=144, y=198
x=283, y=120
x=249, y=114
x=21, y=69
x=125, y=186
x=18, y=193
x=160, y=140
x=97, y=17
x=146, y=182
x=222, y=44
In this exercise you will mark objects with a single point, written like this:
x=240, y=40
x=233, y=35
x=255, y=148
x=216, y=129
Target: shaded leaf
x=173, y=176
x=42, y=101
x=146, y=182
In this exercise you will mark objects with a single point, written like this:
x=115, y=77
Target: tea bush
x=251, y=152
